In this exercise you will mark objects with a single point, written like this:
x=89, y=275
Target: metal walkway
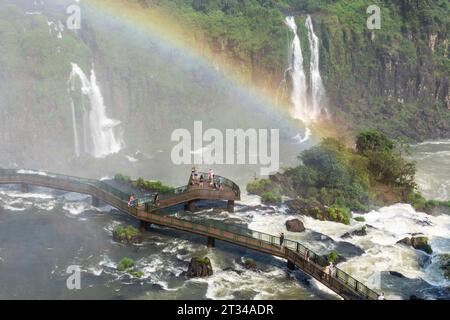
x=294, y=252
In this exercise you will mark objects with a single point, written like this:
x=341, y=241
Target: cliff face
x=395, y=79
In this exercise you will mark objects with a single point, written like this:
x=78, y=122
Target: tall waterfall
x=316, y=85
x=306, y=96
x=98, y=130
x=299, y=88
x=75, y=130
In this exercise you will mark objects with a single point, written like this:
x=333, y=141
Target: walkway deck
x=295, y=253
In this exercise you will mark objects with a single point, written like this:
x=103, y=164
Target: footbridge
x=296, y=254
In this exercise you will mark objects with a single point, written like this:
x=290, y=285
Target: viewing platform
x=296, y=254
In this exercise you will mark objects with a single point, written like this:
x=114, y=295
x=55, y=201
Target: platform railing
x=305, y=254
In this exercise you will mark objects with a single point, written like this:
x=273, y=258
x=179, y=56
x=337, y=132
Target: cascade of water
x=316, y=85
x=98, y=129
x=75, y=130
x=299, y=88
x=307, y=98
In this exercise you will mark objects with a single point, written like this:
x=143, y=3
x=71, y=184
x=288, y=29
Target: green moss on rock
x=128, y=234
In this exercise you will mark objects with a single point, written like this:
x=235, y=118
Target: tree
x=372, y=140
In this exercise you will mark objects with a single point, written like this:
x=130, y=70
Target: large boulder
x=250, y=264
x=419, y=243
x=406, y=241
x=357, y=232
x=199, y=267
x=295, y=225
x=127, y=235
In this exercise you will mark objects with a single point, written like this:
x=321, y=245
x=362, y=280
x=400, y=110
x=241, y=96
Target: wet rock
x=445, y=264
x=358, y=232
x=250, y=264
x=199, y=267
x=419, y=243
x=239, y=272
x=127, y=235
x=295, y=225
x=396, y=274
x=406, y=241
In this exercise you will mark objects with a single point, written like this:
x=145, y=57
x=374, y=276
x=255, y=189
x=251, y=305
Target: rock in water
x=250, y=264
x=358, y=232
x=419, y=243
x=295, y=225
x=396, y=274
x=199, y=267
x=127, y=235
x=405, y=241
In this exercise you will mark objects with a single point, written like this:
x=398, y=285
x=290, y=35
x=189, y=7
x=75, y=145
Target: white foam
x=75, y=208
x=299, y=139
x=131, y=159
x=16, y=194
x=33, y=172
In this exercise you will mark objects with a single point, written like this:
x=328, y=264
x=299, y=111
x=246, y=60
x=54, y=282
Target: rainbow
x=169, y=30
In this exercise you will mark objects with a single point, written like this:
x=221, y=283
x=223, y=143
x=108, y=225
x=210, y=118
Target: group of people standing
x=328, y=271
x=198, y=179
x=133, y=201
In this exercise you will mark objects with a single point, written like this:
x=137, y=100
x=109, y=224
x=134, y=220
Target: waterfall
x=307, y=97
x=98, y=130
x=299, y=88
x=75, y=130
x=316, y=85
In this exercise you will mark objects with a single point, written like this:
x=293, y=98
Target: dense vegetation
x=394, y=79
x=333, y=180
x=127, y=264
x=128, y=234
x=141, y=183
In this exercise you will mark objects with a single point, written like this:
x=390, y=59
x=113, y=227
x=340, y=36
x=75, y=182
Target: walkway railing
x=294, y=251
x=223, y=181
x=301, y=250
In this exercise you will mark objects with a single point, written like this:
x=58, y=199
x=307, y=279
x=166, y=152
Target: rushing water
x=316, y=85
x=99, y=137
x=299, y=87
x=45, y=231
x=308, y=98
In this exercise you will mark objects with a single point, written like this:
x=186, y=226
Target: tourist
x=156, y=200
x=307, y=255
x=281, y=238
x=332, y=269
x=328, y=271
x=219, y=183
x=131, y=201
x=201, y=181
x=211, y=177
x=194, y=175
x=381, y=296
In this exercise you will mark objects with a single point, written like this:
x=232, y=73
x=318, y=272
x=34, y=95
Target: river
x=45, y=231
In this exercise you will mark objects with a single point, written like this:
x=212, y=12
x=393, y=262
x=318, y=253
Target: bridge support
x=143, y=225
x=190, y=206
x=95, y=202
x=230, y=205
x=211, y=242
x=24, y=188
x=290, y=265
